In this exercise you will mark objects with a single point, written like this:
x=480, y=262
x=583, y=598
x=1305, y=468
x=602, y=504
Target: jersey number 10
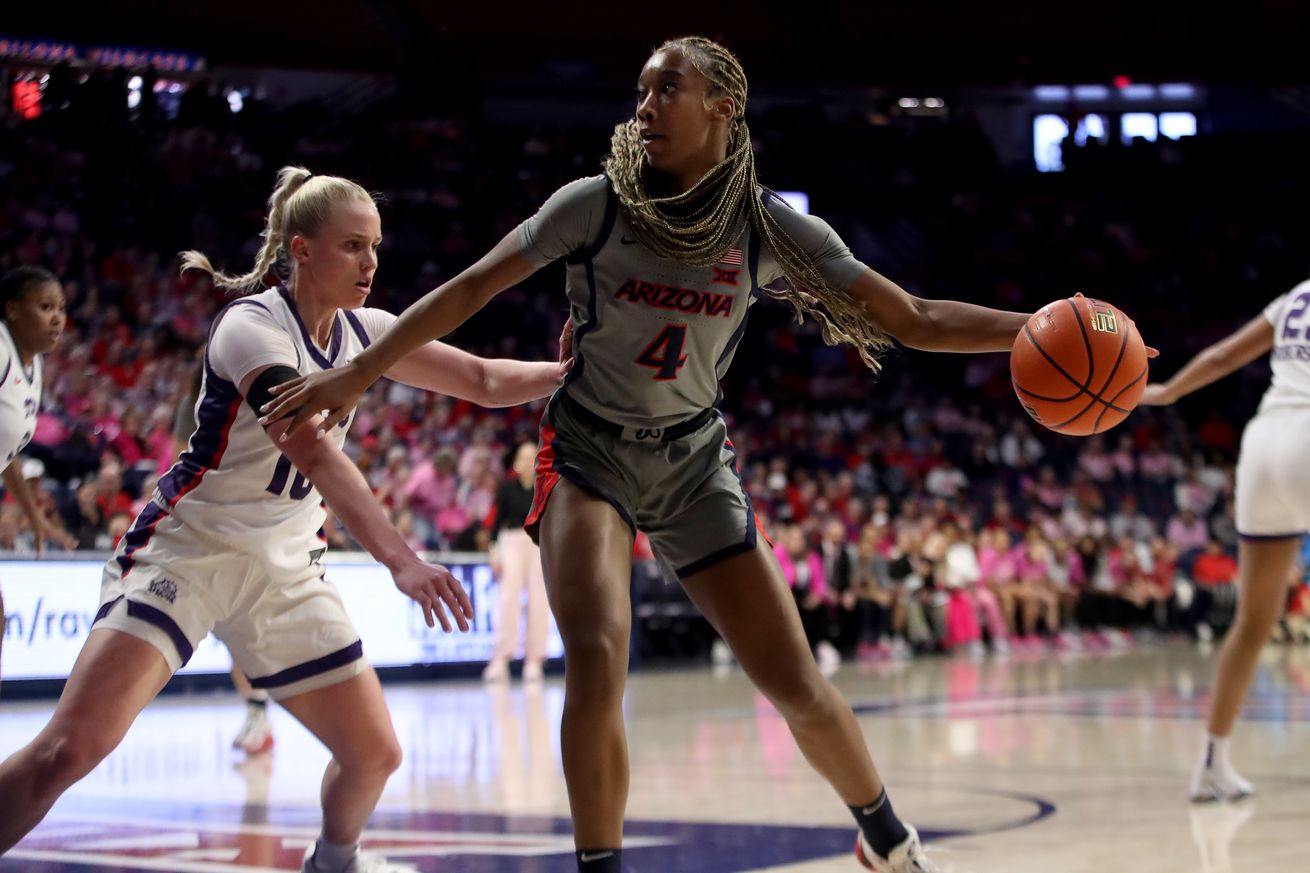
x=300, y=486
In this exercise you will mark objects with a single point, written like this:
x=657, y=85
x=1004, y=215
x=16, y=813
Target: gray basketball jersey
x=653, y=337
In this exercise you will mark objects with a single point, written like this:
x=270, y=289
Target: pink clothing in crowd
x=818, y=583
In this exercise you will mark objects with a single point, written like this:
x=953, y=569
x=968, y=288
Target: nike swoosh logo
x=588, y=857
x=627, y=242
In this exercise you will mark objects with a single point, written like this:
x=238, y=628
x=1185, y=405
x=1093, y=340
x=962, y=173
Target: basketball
x=1079, y=366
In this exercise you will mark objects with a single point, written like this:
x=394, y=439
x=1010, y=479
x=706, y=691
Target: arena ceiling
x=806, y=42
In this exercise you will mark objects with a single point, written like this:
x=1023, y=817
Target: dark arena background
x=1152, y=155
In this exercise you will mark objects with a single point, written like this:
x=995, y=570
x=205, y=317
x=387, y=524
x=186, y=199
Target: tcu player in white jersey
x=231, y=544
x=1273, y=508
x=31, y=320
x=666, y=253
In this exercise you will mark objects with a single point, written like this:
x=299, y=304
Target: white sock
x=332, y=857
x=257, y=695
x=1215, y=752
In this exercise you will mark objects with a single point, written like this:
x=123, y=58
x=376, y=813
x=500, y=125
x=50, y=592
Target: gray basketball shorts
x=685, y=494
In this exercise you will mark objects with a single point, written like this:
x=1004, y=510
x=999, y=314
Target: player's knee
x=64, y=755
x=389, y=756
x=1252, y=628
x=381, y=755
x=798, y=694
x=599, y=657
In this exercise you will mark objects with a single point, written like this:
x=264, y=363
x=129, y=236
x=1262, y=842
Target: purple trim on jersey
x=150, y=615
x=141, y=532
x=316, y=667
x=1260, y=538
x=105, y=608
x=9, y=365
x=214, y=417
x=358, y=328
x=334, y=346
x=218, y=409
x=245, y=301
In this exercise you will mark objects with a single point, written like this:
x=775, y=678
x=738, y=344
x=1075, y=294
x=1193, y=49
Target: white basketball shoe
x=1218, y=783
x=361, y=863
x=256, y=735
x=908, y=857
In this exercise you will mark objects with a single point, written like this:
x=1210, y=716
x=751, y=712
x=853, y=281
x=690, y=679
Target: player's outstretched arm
x=434, y=315
x=486, y=382
x=935, y=325
x=1211, y=364
x=347, y=494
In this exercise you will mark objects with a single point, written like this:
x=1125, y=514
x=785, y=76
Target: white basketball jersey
x=1290, y=359
x=232, y=483
x=20, y=397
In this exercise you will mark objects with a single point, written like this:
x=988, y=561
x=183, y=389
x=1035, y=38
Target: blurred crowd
x=914, y=509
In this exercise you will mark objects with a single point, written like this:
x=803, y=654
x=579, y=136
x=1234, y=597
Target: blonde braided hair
x=299, y=204
x=698, y=226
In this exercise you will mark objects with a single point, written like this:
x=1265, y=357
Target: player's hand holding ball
x=1079, y=366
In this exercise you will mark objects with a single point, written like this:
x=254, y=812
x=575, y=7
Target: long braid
x=281, y=225
x=698, y=226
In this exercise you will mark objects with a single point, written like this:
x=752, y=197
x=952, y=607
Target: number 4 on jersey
x=664, y=355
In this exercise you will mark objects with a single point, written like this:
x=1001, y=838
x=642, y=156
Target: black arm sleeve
x=259, y=389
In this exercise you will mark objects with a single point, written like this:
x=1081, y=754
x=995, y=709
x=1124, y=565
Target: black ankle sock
x=882, y=830
x=600, y=860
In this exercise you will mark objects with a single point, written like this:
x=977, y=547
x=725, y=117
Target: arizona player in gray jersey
x=666, y=253
x=230, y=542
x=1273, y=509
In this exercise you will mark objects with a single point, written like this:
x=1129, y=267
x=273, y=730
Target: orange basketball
x=1079, y=366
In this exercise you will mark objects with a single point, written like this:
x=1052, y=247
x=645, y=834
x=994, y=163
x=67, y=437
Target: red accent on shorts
x=546, y=475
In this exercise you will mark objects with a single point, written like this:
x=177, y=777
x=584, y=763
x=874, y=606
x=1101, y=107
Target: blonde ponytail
x=299, y=204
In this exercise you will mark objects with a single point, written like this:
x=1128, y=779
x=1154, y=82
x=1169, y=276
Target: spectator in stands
x=1215, y=575
x=430, y=493
x=516, y=562
x=882, y=600
x=998, y=572
x=1038, y=603
x=1019, y=448
x=957, y=575
x=802, y=567
x=1188, y=532
x=839, y=569
x=1130, y=521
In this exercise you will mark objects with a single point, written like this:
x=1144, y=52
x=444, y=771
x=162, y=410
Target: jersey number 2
x=300, y=486
x=1292, y=326
x=664, y=355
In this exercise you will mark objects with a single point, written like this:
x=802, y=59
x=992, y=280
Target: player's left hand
x=430, y=586
x=47, y=530
x=566, y=347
